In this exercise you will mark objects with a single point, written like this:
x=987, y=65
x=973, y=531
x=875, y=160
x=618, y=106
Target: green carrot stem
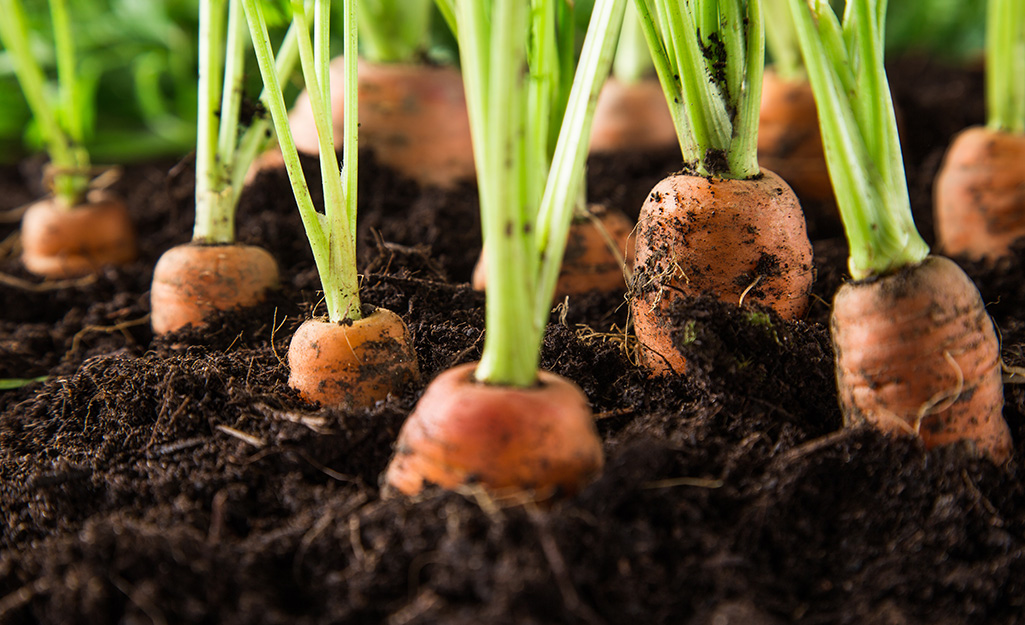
x=633, y=61
x=709, y=56
x=70, y=161
x=1005, y=65
x=859, y=133
x=331, y=239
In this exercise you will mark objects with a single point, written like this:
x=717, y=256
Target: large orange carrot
x=59, y=242
x=916, y=353
x=789, y=142
x=979, y=195
x=599, y=254
x=463, y=431
x=192, y=281
x=354, y=363
x=413, y=117
x=742, y=241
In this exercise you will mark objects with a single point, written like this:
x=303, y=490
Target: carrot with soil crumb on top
x=213, y=272
x=75, y=231
x=979, y=194
x=725, y=226
x=355, y=357
x=915, y=351
x=501, y=422
x=412, y=112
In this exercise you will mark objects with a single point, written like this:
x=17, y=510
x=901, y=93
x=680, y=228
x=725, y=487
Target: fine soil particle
x=177, y=479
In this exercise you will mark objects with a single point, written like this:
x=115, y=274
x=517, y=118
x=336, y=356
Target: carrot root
x=541, y=439
x=632, y=117
x=413, y=117
x=354, y=364
x=742, y=241
x=916, y=354
x=980, y=194
x=789, y=140
x=69, y=243
x=192, y=281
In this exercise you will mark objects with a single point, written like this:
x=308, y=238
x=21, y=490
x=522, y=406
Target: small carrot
x=915, y=351
x=464, y=431
x=726, y=226
x=349, y=360
x=65, y=243
x=502, y=423
x=192, y=281
x=354, y=363
x=213, y=272
x=74, y=232
x=412, y=117
x=789, y=142
x=632, y=114
x=979, y=195
x=599, y=254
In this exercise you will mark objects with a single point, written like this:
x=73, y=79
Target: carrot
x=632, y=116
x=789, y=142
x=979, y=194
x=599, y=251
x=726, y=226
x=413, y=117
x=192, y=281
x=352, y=364
x=502, y=422
x=978, y=200
x=59, y=242
x=69, y=234
x=742, y=240
x=915, y=351
x=213, y=272
x=463, y=431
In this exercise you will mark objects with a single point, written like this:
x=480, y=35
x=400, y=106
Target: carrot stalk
x=915, y=350
x=502, y=421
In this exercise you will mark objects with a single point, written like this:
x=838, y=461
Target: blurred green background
x=138, y=58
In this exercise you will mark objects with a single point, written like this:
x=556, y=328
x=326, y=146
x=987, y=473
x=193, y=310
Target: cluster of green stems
x=1005, y=65
x=709, y=56
x=859, y=132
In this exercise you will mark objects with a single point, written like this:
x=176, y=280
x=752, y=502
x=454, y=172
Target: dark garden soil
x=179, y=480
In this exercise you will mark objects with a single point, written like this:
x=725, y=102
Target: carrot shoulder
x=916, y=353
x=66, y=243
x=462, y=431
x=192, y=281
x=980, y=194
x=352, y=364
x=742, y=241
x=632, y=116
